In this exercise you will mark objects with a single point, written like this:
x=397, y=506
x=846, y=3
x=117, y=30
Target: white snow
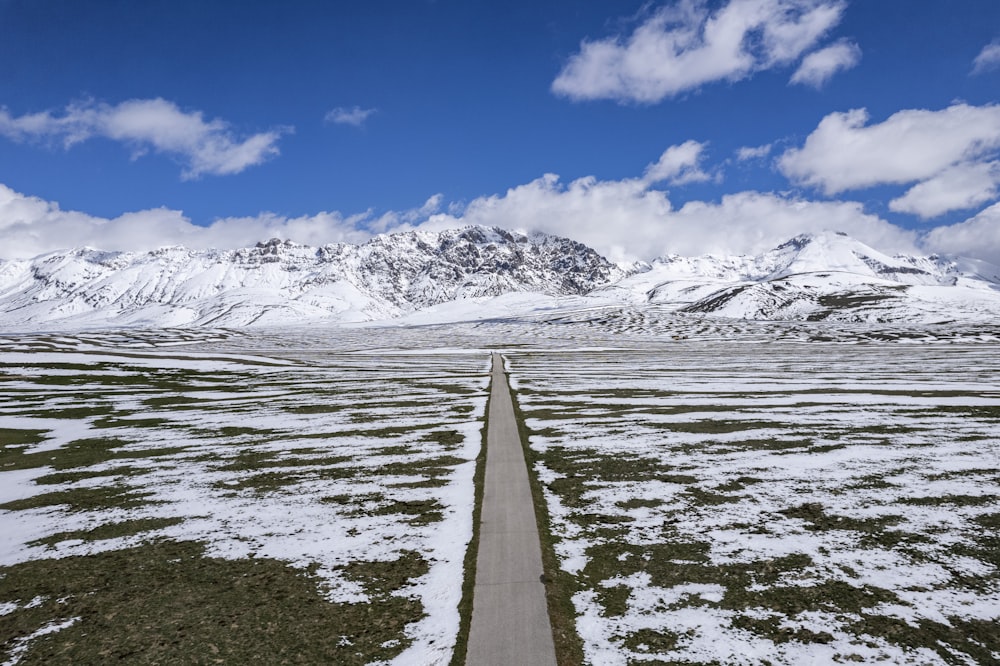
x=20, y=645
x=864, y=433
x=323, y=405
x=478, y=275
x=866, y=420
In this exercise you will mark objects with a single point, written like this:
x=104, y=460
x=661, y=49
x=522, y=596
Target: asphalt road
x=510, y=621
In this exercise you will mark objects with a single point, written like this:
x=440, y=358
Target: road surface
x=510, y=620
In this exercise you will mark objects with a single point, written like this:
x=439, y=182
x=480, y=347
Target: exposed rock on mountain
x=481, y=272
x=827, y=276
x=282, y=282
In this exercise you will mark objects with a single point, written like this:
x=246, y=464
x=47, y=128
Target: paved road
x=510, y=621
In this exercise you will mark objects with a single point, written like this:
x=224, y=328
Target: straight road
x=510, y=620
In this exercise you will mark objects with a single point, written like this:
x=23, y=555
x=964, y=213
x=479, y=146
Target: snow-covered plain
x=721, y=491
x=773, y=503
x=319, y=458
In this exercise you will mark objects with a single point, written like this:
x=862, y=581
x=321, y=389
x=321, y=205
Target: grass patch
x=650, y=642
x=434, y=482
x=708, y=497
x=581, y=468
x=739, y=483
x=449, y=439
x=420, y=512
x=639, y=503
x=83, y=499
x=717, y=426
x=381, y=579
x=166, y=602
x=430, y=467
x=17, y=438
x=81, y=453
x=978, y=639
x=261, y=484
x=954, y=500
x=58, y=478
x=815, y=515
x=109, y=531
x=249, y=460
x=325, y=408
x=120, y=422
x=423, y=512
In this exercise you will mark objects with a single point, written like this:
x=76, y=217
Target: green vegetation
x=166, y=602
x=559, y=585
x=79, y=454
x=83, y=499
x=840, y=497
x=237, y=438
x=109, y=531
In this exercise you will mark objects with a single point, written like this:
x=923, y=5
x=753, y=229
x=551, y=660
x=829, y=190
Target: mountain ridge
x=824, y=276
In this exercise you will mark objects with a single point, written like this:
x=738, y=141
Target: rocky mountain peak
x=812, y=276
x=389, y=275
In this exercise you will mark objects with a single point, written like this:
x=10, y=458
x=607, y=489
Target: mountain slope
x=827, y=276
x=282, y=282
x=476, y=273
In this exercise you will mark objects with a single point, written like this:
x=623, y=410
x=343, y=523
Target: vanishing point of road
x=510, y=621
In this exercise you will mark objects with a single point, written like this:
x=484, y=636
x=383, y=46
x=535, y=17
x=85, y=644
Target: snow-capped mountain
x=280, y=282
x=827, y=276
x=483, y=272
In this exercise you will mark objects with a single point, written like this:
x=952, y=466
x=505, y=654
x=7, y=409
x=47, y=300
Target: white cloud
x=682, y=46
x=622, y=219
x=207, y=147
x=988, y=59
x=627, y=219
x=617, y=218
x=977, y=237
x=343, y=116
x=845, y=153
x=956, y=188
x=753, y=152
x=818, y=67
x=751, y=222
x=931, y=148
x=678, y=165
x=31, y=226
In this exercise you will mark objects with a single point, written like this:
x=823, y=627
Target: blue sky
x=135, y=124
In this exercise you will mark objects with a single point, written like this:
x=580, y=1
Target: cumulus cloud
x=845, y=153
x=977, y=237
x=954, y=147
x=751, y=222
x=988, y=59
x=682, y=46
x=353, y=116
x=628, y=219
x=818, y=67
x=617, y=218
x=956, y=188
x=623, y=219
x=747, y=153
x=31, y=226
x=206, y=147
x=678, y=165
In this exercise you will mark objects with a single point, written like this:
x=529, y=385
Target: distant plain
x=715, y=491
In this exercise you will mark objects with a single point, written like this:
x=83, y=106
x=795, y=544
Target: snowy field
x=719, y=491
x=779, y=503
x=348, y=469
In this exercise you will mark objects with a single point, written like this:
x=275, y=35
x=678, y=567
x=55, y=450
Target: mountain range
x=479, y=272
